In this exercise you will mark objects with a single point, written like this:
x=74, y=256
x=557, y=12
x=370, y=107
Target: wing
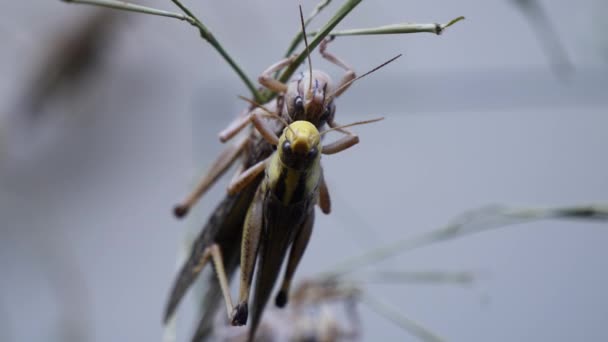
x=280, y=226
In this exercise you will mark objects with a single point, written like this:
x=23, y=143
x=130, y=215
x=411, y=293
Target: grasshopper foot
x=180, y=211
x=239, y=315
x=281, y=299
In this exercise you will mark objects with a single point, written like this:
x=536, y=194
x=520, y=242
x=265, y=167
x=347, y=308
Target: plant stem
x=397, y=29
x=416, y=277
x=210, y=38
x=473, y=222
x=189, y=17
x=125, y=6
x=396, y=317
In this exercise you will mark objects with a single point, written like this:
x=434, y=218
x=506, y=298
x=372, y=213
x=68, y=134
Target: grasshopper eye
x=286, y=147
x=313, y=153
x=298, y=103
x=325, y=114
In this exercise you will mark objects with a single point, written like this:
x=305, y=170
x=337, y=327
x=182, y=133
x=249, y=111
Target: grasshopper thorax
x=307, y=98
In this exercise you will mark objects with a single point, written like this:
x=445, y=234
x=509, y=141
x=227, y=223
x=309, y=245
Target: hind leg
x=295, y=255
x=252, y=230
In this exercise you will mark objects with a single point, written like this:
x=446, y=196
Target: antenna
x=309, y=92
x=356, y=123
x=332, y=95
x=268, y=113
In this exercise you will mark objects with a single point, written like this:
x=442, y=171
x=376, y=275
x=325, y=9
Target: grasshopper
x=299, y=99
x=280, y=217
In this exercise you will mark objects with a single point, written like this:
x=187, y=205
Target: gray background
x=475, y=116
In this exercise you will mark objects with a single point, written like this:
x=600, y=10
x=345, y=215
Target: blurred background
x=508, y=106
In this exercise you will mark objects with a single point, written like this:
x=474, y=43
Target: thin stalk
x=397, y=29
x=210, y=38
x=125, y=6
x=473, y=222
x=422, y=277
x=395, y=316
x=189, y=17
x=547, y=36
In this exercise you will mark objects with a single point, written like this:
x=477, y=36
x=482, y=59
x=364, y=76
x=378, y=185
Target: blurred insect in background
x=310, y=96
x=64, y=71
x=312, y=315
x=325, y=308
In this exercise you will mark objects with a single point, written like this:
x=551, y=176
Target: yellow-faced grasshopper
x=224, y=227
x=280, y=217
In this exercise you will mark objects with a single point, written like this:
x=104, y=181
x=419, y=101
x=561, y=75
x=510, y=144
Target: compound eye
x=298, y=103
x=325, y=114
x=313, y=153
x=286, y=147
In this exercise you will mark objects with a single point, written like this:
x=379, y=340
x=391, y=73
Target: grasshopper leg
x=239, y=182
x=250, y=243
x=226, y=158
x=235, y=126
x=256, y=117
x=215, y=254
x=242, y=121
x=324, y=199
x=270, y=82
x=341, y=144
x=348, y=77
x=333, y=124
x=237, y=174
x=265, y=131
x=295, y=255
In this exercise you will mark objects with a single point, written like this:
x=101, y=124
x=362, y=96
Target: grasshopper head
x=306, y=98
x=300, y=145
